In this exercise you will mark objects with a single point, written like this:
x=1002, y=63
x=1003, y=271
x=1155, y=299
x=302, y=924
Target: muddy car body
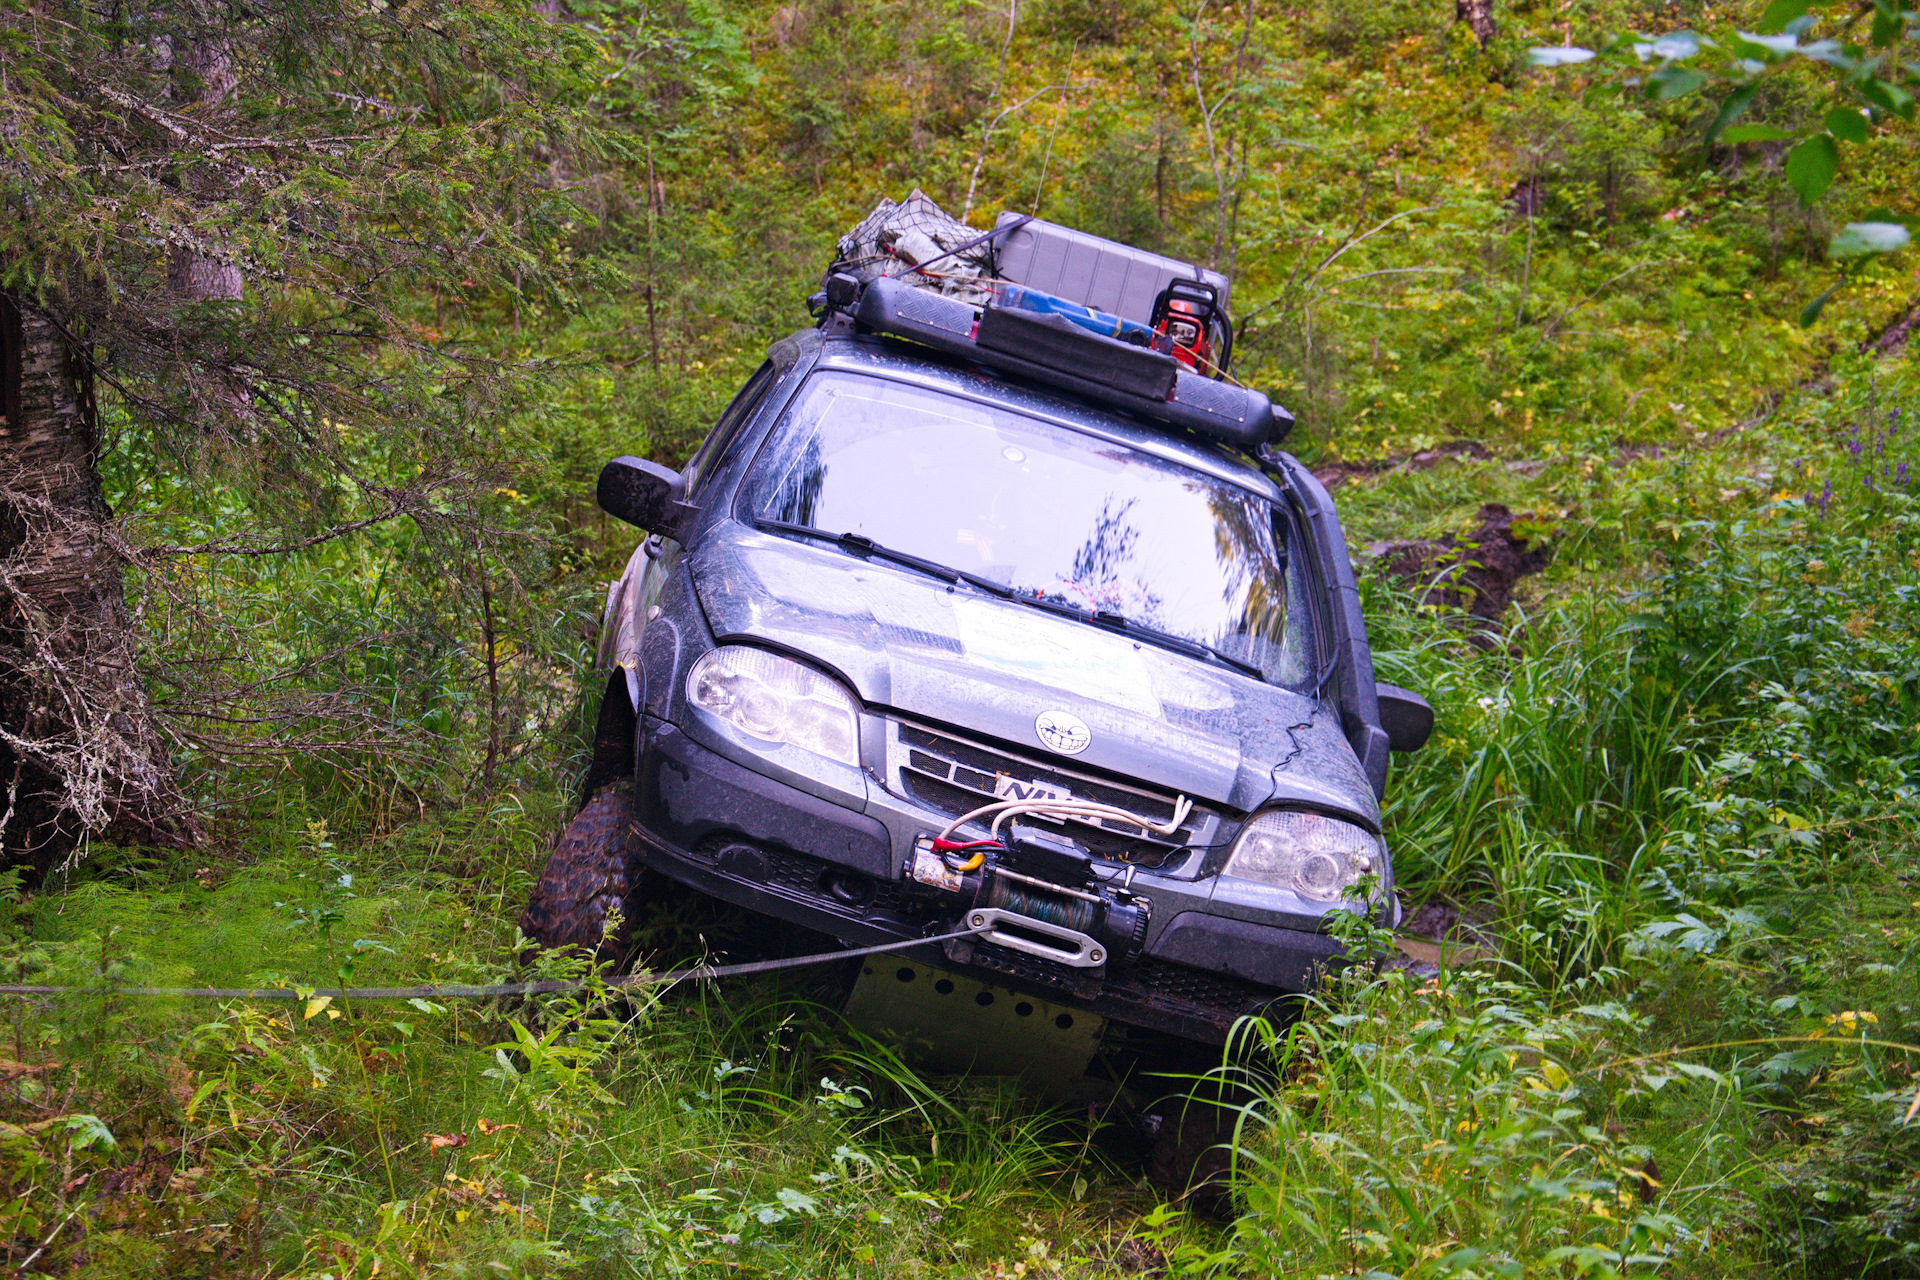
x=897, y=585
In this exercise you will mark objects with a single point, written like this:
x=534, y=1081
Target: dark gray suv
x=946, y=630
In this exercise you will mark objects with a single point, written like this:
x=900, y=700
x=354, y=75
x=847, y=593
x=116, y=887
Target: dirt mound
x=1474, y=574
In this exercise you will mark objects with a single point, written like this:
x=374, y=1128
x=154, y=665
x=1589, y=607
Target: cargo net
x=897, y=237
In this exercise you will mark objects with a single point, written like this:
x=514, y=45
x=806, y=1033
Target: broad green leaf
x=1887, y=26
x=1757, y=133
x=797, y=1201
x=1811, y=312
x=1669, y=83
x=1781, y=12
x=1777, y=46
x=1880, y=213
x=1803, y=1062
x=1829, y=52
x=85, y=1131
x=1730, y=110
x=1888, y=96
x=201, y=1094
x=1558, y=56
x=1680, y=44
x=1861, y=239
x=1847, y=124
x=1698, y=1071
x=1811, y=167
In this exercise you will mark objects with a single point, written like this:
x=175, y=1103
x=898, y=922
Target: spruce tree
x=219, y=220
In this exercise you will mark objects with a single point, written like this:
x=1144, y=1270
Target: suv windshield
x=1056, y=515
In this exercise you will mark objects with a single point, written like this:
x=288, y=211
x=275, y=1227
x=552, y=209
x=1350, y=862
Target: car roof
x=906, y=362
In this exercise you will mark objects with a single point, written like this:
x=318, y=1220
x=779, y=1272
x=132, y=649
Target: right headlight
x=1322, y=859
x=778, y=700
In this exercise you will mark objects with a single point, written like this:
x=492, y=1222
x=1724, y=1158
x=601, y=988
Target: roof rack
x=1050, y=349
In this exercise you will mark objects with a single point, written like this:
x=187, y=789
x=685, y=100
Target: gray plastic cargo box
x=1097, y=273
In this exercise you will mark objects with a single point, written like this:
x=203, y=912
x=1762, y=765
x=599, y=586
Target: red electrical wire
x=953, y=846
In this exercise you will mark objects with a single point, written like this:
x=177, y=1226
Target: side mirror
x=1405, y=716
x=644, y=494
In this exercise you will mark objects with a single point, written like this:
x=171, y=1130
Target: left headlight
x=763, y=694
x=1320, y=858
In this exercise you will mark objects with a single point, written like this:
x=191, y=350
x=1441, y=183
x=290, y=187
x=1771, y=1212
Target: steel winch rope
x=550, y=986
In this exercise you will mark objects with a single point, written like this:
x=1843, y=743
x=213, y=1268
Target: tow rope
x=705, y=973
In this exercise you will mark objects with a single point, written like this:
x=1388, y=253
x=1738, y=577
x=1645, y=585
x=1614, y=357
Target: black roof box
x=1059, y=354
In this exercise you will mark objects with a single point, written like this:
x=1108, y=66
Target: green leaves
x=1847, y=124
x=86, y=1132
x=1862, y=89
x=1882, y=234
x=1864, y=239
x=1811, y=167
x=1558, y=56
x=1669, y=83
x=1811, y=312
x=1735, y=103
x=1888, y=25
x=1781, y=12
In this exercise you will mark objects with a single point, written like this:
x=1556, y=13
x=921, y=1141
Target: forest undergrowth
x=1683, y=813
x=1674, y=795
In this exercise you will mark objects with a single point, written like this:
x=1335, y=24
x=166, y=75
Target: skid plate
x=948, y=1022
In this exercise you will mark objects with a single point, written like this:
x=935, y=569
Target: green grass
x=1683, y=797
x=741, y=1126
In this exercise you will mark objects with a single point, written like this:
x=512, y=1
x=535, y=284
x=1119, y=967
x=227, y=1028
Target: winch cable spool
x=1072, y=913
x=1004, y=809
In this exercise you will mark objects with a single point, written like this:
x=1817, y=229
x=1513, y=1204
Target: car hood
x=906, y=642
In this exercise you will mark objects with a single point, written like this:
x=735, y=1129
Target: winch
x=1034, y=891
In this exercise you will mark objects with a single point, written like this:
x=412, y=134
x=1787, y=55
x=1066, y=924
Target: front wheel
x=586, y=880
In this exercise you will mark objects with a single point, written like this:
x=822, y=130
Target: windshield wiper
x=861, y=545
x=1165, y=639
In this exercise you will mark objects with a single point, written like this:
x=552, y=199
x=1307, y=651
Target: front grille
x=956, y=775
x=794, y=872
x=801, y=875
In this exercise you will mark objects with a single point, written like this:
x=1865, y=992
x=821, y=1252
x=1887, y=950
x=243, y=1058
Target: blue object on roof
x=1020, y=298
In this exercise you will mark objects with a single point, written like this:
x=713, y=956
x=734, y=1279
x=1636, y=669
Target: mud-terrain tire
x=589, y=873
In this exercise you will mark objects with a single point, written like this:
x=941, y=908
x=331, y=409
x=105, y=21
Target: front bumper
x=740, y=836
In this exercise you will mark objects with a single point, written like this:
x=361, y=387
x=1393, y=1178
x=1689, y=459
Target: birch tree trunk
x=78, y=747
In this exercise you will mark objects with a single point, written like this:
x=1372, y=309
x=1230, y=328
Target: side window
x=714, y=447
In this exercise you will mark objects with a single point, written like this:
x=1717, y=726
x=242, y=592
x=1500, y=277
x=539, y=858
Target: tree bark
x=78, y=747
x=1478, y=15
x=194, y=275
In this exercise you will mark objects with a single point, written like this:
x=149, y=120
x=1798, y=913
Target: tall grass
x=1688, y=810
x=1561, y=756
x=740, y=1128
